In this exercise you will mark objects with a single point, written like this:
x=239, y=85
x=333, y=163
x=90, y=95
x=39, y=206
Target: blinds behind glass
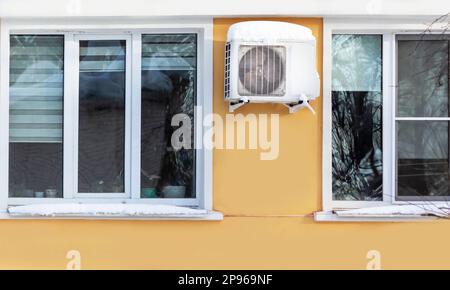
x=102, y=56
x=169, y=52
x=101, y=119
x=36, y=88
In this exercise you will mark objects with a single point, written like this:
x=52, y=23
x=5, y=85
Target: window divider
x=422, y=118
x=388, y=121
x=393, y=103
x=136, y=68
x=128, y=115
x=4, y=115
x=75, y=104
x=69, y=113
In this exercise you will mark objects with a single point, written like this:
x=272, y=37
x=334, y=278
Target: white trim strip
x=327, y=216
x=111, y=211
x=422, y=118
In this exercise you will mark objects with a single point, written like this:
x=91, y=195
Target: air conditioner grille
x=227, y=70
x=262, y=70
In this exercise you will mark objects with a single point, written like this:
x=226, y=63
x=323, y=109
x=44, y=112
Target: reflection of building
x=35, y=120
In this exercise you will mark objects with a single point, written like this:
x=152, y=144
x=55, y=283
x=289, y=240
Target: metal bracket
x=235, y=105
x=294, y=107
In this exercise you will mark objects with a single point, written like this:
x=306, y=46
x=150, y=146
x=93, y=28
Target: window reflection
x=422, y=148
x=36, y=116
x=357, y=117
x=422, y=158
x=169, y=76
x=101, y=139
x=423, y=78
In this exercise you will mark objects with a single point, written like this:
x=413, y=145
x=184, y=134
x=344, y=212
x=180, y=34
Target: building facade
x=92, y=72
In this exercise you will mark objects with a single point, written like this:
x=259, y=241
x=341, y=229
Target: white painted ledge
x=404, y=210
x=327, y=216
x=211, y=216
x=180, y=8
x=109, y=211
x=391, y=213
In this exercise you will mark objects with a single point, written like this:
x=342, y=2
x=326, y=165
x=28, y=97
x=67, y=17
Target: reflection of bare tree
x=422, y=124
x=357, y=157
x=423, y=148
x=442, y=23
x=356, y=116
x=423, y=91
x=178, y=165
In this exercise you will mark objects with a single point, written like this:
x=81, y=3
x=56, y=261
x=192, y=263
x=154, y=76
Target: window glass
x=169, y=75
x=422, y=78
x=169, y=78
x=422, y=148
x=36, y=116
x=357, y=117
x=356, y=63
x=101, y=136
x=422, y=158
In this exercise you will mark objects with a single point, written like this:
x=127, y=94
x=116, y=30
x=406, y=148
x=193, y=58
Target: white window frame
x=133, y=31
x=389, y=28
x=74, y=57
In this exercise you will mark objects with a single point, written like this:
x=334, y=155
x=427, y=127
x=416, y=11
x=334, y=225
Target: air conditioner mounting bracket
x=235, y=105
x=294, y=107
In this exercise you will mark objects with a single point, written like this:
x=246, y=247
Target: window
x=357, y=117
x=168, y=88
x=90, y=115
x=36, y=115
x=102, y=90
x=422, y=116
x=386, y=116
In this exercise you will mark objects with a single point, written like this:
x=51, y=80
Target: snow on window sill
x=393, y=213
x=109, y=211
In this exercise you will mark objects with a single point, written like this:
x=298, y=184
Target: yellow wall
x=255, y=196
x=290, y=184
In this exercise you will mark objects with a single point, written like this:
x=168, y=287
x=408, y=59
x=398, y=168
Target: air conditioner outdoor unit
x=270, y=62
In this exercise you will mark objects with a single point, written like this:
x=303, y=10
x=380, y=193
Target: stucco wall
x=243, y=184
x=229, y=8
x=256, y=197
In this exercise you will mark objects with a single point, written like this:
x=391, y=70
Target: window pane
x=423, y=78
x=357, y=63
x=422, y=158
x=357, y=117
x=36, y=115
x=169, y=72
x=101, y=141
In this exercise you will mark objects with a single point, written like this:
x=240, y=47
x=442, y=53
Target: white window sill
x=109, y=212
x=328, y=216
x=391, y=213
